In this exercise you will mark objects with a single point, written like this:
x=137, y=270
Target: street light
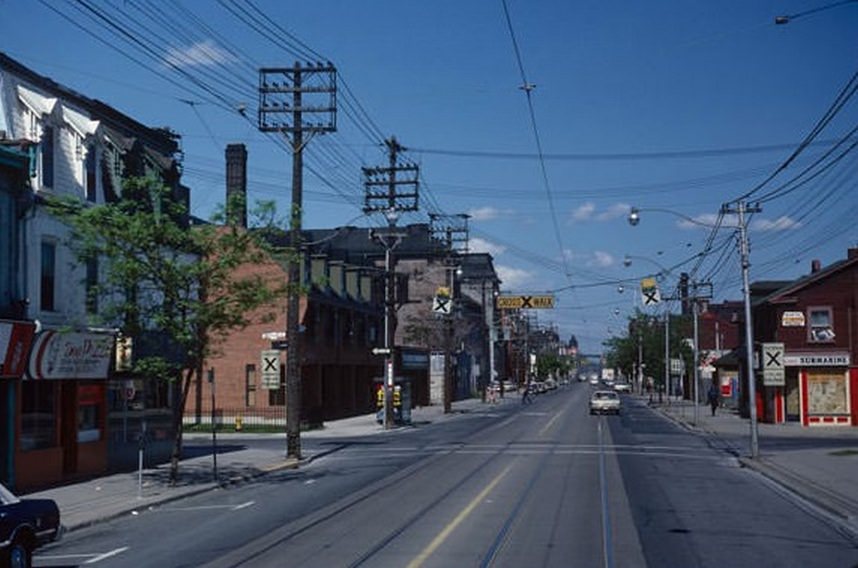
x=785, y=19
x=634, y=219
x=741, y=208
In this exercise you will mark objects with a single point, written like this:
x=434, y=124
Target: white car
x=604, y=402
x=622, y=387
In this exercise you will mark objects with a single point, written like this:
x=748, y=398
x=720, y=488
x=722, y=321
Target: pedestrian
x=713, y=397
x=526, y=396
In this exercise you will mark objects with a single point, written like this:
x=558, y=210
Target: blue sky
x=679, y=106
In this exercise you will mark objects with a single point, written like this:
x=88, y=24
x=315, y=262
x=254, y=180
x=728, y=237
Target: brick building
x=816, y=319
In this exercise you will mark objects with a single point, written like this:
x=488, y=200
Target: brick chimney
x=852, y=253
x=815, y=266
x=236, y=185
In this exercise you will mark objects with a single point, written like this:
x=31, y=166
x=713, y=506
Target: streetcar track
x=358, y=498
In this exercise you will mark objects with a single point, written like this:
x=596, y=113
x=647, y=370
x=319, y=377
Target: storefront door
x=792, y=396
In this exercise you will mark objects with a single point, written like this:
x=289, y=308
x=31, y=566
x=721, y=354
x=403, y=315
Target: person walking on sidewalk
x=713, y=397
x=526, y=395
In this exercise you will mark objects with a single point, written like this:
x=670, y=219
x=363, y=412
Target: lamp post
x=634, y=219
x=740, y=209
x=787, y=18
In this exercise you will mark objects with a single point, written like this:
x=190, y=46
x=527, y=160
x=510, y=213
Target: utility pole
x=282, y=109
x=452, y=231
x=740, y=210
x=397, y=194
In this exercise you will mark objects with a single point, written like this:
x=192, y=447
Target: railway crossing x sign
x=649, y=292
x=442, y=305
x=270, y=359
x=773, y=364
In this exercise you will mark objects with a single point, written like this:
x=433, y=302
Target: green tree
x=645, y=339
x=161, y=275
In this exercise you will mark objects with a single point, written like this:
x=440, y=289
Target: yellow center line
x=442, y=536
x=550, y=423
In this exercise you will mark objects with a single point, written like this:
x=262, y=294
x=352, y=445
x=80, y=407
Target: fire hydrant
x=238, y=423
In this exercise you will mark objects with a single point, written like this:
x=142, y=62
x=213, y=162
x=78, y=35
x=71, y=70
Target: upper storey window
x=821, y=328
x=47, y=155
x=89, y=174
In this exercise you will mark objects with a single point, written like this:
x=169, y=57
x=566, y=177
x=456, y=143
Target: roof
x=791, y=288
x=160, y=138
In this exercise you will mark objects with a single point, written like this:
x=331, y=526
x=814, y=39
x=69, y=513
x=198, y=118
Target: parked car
x=622, y=387
x=604, y=402
x=25, y=524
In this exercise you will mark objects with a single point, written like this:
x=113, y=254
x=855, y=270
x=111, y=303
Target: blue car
x=25, y=524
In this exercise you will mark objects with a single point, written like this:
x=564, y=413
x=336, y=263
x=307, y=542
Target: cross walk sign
x=649, y=292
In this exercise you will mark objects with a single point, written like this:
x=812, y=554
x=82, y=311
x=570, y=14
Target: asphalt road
x=527, y=486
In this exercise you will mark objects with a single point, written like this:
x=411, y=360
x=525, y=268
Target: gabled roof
x=159, y=138
x=785, y=292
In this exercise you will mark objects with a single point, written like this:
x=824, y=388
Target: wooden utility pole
x=452, y=230
x=281, y=100
x=396, y=195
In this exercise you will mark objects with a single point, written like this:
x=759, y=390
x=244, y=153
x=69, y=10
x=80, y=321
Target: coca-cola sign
x=71, y=355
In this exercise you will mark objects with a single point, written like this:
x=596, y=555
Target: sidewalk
x=104, y=498
x=818, y=464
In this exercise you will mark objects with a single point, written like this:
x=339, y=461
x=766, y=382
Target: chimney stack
x=815, y=266
x=236, y=185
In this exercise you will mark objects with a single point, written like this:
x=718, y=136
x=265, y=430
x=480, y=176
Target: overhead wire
x=527, y=87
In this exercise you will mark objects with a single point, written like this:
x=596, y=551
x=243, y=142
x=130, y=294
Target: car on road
x=25, y=524
x=622, y=387
x=605, y=402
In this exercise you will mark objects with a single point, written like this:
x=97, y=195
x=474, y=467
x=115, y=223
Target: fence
x=240, y=418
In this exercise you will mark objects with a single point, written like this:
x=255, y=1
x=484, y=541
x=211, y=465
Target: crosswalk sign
x=649, y=292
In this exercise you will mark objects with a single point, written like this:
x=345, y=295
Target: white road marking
x=106, y=555
x=244, y=505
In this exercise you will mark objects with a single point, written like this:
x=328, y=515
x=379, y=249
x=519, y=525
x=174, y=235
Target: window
x=47, y=148
x=821, y=328
x=38, y=415
x=48, y=276
x=92, y=285
x=89, y=174
x=277, y=397
x=250, y=385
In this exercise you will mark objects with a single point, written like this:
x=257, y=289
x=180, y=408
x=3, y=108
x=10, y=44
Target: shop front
x=15, y=340
x=61, y=427
x=828, y=388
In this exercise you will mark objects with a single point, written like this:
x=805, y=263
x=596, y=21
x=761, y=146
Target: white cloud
x=477, y=244
x=206, y=53
x=513, y=278
x=589, y=212
x=601, y=259
x=484, y=213
x=583, y=212
x=783, y=223
x=617, y=211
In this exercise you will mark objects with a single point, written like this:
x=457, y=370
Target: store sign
x=817, y=360
x=792, y=319
x=15, y=340
x=72, y=355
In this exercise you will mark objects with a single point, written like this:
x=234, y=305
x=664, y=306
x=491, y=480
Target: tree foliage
x=159, y=275
x=645, y=340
